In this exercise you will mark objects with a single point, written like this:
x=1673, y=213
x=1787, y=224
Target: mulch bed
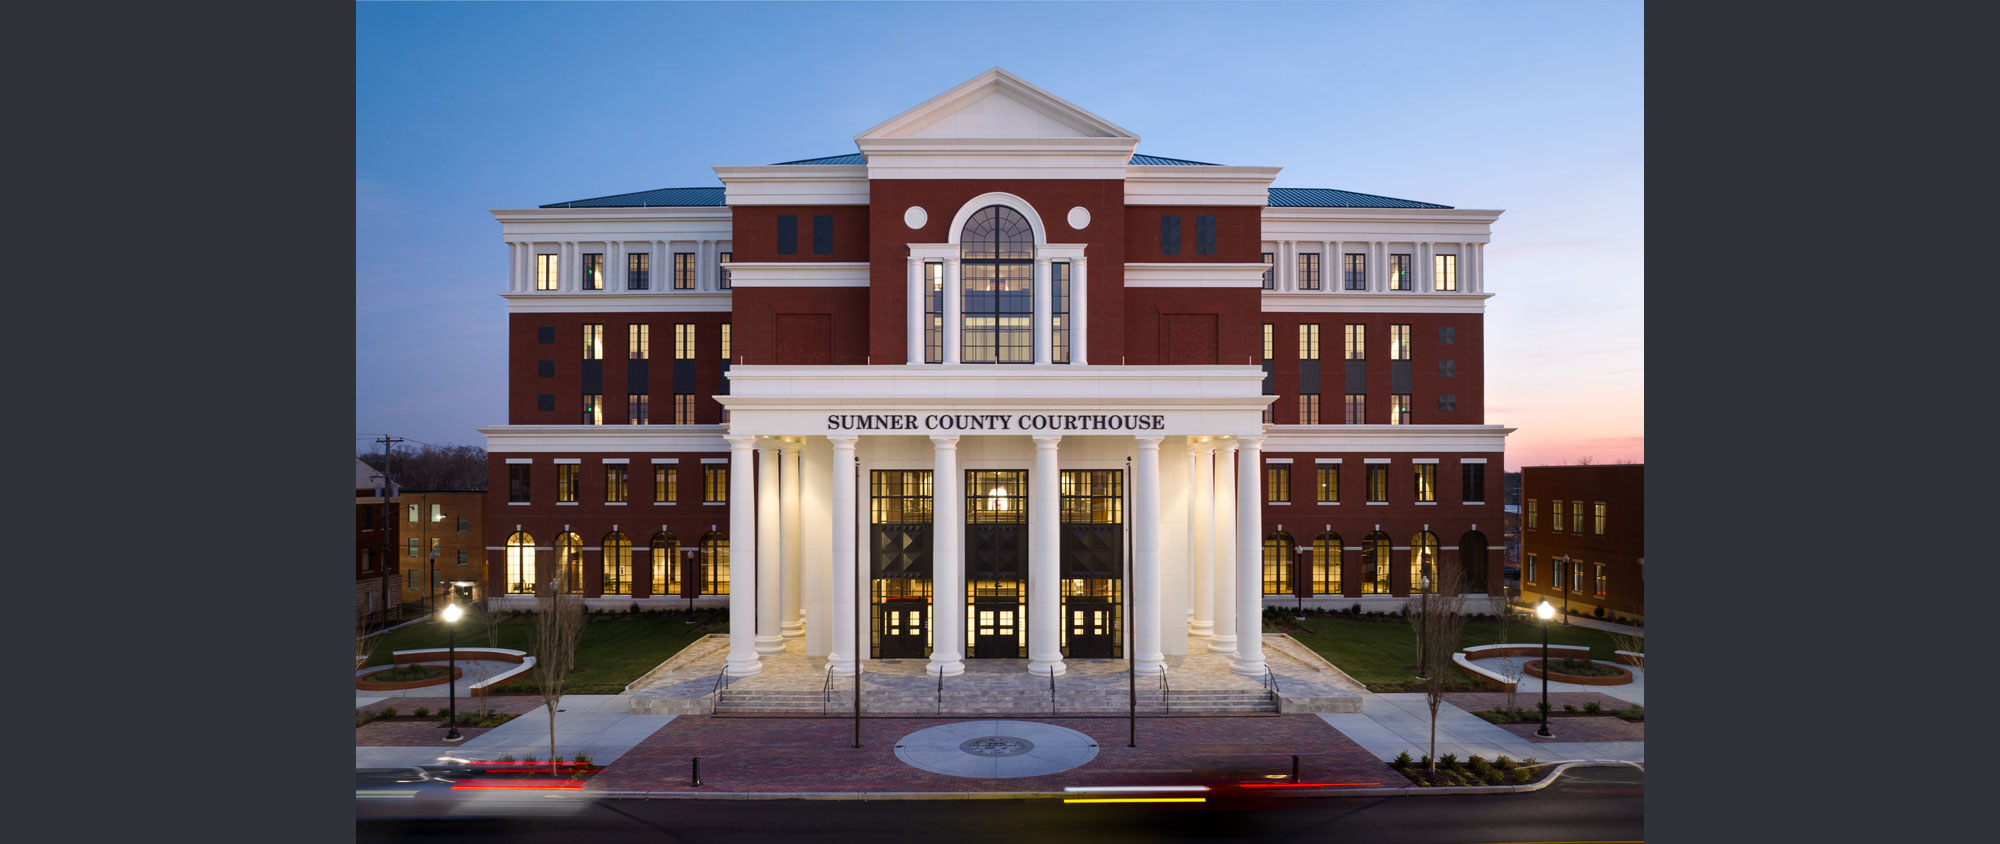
x=1582, y=728
x=511, y=704
x=815, y=754
x=428, y=732
x=1477, y=701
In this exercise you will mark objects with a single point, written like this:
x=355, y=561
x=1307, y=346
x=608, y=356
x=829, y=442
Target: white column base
x=793, y=629
x=841, y=667
x=768, y=645
x=948, y=669
x=1247, y=668
x=1150, y=667
x=1222, y=644
x=1200, y=629
x=1042, y=667
x=735, y=668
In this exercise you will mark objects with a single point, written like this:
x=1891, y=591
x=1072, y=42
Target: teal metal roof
x=656, y=198
x=850, y=158
x=1331, y=198
x=1140, y=158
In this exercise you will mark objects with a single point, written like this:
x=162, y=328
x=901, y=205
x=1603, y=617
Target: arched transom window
x=996, y=280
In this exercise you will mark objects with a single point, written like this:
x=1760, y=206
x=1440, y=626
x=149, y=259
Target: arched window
x=1326, y=564
x=715, y=564
x=1423, y=561
x=617, y=564
x=996, y=272
x=1278, y=556
x=666, y=565
x=1375, y=564
x=520, y=564
x=1472, y=561
x=569, y=562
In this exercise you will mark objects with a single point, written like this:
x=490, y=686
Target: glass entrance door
x=1090, y=631
x=904, y=631
x=996, y=632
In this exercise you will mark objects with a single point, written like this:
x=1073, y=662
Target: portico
x=964, y=512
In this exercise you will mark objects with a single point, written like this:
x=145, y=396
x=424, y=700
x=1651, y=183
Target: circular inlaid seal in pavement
x=996, y=749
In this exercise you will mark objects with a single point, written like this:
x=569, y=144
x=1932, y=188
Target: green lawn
x=614, y=649
x=1374, y=652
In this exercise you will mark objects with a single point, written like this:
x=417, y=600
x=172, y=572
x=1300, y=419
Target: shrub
x=1542, y=706
x=1523, y=774
x=1402, y=760
x=635, y=607
x=1569, y=707
x=1448, y=761
x=387, y=712
x=505, y=757
x=1592, y=707
x=422, y=712
x=581, y=759
x=1503, y=763
x=1354, y=610
x=1478, y=766
x=1494, y=776
x=1424, y=761
x=1599, y=612
x=361, y=719
x=528, y=758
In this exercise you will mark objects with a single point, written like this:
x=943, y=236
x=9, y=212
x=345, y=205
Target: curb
x=1408, y=791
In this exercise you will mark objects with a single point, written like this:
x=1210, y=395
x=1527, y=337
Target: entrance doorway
x=996, y=631
x=905, y=632
x=1089, y=632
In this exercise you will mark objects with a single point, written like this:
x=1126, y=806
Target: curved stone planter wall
x=1629, y=657
x=1493, y=679
x=363, y=683
x=523, y=661
x=1624, y=676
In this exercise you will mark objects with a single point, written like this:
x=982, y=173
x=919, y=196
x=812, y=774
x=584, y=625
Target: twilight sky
x=1534, y=108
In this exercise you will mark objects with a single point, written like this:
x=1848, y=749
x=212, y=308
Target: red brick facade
x=1620, y=548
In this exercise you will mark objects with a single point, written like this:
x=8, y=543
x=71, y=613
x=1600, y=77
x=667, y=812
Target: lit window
x=1399, y=272
x=638, y=408
x=1446, y=269
x=1326, y=564
x=1601, y=582
x=1556, y=516
x=1309, y=341
x=722, y=272
x=569, y=562
x=715, y=483
x=437, y=512
x=1576, y=577
x=1270, y=272
x=1309, y=271
x=1427, y=477
x=1531, y=576
x=714, y=565
x=664, y=484
x=593, y=341
x=666, y=564
x=617, y=564
x=1423, y=561
x=1399, y=409
x=593, y=409
x=1278, y=483
x=996, y=274
x=593, y=271
x=545, y=272
x=1375, y=549
x=638, y=271
x=933, y=312
x=1357, y=272
x=413, y=514
x=1357, y=409
x=1357, y=341
x=520, y=564
x=1599, y=510
x=614, y=482
x=1059, y=321
x=1399, y=342
x=1329, y=483
x=684, y=408
x=683, y=341
x=683, y=270
x=1531, y=514
x=1269, y=348
x=725, y=342
x=567, y=481
x=639, y=341
x=1309, y=408
x=1278, y=564
x=1378, y=483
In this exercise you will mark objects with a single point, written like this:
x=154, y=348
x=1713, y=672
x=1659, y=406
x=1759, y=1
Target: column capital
x=1228, y=445
x=740, y=440
x=944, y=440
x=839, y=440
x=1200, y=445
x=1148, y=441
x=1250, y=442
x=1047, y=440
x=767, y=447
x=791, y=446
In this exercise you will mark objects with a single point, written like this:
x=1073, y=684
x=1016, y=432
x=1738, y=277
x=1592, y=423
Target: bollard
x=1295, y=770
x=697, y=773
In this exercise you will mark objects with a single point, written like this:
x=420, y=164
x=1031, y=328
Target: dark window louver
x=1204, y=235
x=788, y=234
x=822, y=234
x=1170, y=235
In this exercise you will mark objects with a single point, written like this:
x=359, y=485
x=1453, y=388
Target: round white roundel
x=915, y=217
x=1079, y=217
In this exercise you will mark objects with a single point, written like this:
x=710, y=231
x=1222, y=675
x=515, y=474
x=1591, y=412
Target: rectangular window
x=788, y=234
x=1575, y=576
x=1170, y=235
x=545, y=272
x=462, y=557
x=715, y=483
x=1576, y=516
x=1556, y=516
x=1309, y=408
x=665, y=483
x=545, y=401
x=1399, y=272
x=517, y=483
x=413, y=514
x=1447, y=334
x=1357, y=409
x=1357, y=342
x=1204, y=234
x=1399, y=409
x=593, y=341
x=593, y=408
x=1472, y=483
x=1447, y=401
x=1059, y=321
x=1309, y=341
x=638, y=271
x=413, y=546
x=1598, y=511
x=722, y=272
x=1308, y=270
x=1270, y=272
x=1357, y=271
x=1601, y=581
x=1399, y=342
x=725, y=342
x=684, y=408
x=545, y=335
x=1329, y=484
x=1269, y=352
x=437, y=513
x=1531, y=514
x=1378, y=483
x=683, y=341
x=1558, y=581
x=464, y=524
x=639, y=408
x=638, y=341
x=593, y=271
x=568, y=479
x=1531, y=577
x=545, y=369
x=1447, y=369
x=1278, y=483
x=822, y=234
x=1446, y=269
x=683, y=270
x=614, y=482
x=933, y=312
x=1427, y=479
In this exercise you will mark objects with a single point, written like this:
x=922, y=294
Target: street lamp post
x=1543, y=611
x=1424, y=599
x=1569, y=571
x=451, y=614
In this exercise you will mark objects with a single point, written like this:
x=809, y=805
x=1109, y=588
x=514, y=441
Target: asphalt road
x=1586, y=804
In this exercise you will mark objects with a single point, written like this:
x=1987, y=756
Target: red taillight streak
x=1302, y=784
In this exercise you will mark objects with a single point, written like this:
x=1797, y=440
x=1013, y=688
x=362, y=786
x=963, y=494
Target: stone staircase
x=986, y=702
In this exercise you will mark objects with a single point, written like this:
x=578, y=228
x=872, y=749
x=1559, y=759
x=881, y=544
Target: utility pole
x=389, y=512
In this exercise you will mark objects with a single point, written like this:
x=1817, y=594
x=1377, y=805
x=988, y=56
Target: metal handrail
x=721, y=682
x=1166, y=691
x=826, y=690
x=1270, y=681
x=940, y=691
x=1052, y=690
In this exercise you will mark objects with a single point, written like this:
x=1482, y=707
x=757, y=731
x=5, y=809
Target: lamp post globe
x=1545, y=612
x=451, y=615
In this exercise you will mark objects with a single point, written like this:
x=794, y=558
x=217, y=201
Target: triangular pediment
x=996, y=104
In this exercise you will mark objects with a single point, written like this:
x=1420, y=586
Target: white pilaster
x=790, y=626
x=1079, y=308
x=1044, y=561
x=1044, y=307
x=913, y=312
x=947, y=560
x=659, y=274
x=952, y=307
x=1378, y=271
x=1249, y=560
x=1146, y=558
x=770, y=550
x=1201, y=526
x=1223, y=571
x=742, y=660
x=842, y=656
x=1477, y=251
x=1330, y=278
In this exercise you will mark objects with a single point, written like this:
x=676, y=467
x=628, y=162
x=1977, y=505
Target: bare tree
x=1444, y=619
x=1629, y=642
x=1584, y=460
x=437, y=467
x=1508, y=668
x=364, y=645
x=558, y=622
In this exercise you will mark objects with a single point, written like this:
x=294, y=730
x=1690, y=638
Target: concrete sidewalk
x=1391, y=724
x=594, y=724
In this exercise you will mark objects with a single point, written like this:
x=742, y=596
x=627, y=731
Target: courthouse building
x=995, y=385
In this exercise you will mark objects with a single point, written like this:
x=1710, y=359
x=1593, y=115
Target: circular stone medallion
x=996, y=746
x=1079, y=217
x=915, y=216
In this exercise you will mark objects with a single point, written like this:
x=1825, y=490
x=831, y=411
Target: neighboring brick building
x=1583, y=534
x=375, y=550
x=443, y=539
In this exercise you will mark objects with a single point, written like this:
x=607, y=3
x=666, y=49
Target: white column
x=658, y=269
x=1336, y=271
x=514, y=263
x=1044, y=561
x=1378, y=275
x=790, y=626
x=770, y=549
x=614, y=265
x=1079, y=310
x=1477, y=276
x=1329, y=266
x=842, y=528
x=1201, y=524
x=952, y=301
x=1249, y=560
x=947, y=560
x=742, y=660
x=913, y=312
x=1044, y=306
x=1146, y=558
x=1223, y=541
